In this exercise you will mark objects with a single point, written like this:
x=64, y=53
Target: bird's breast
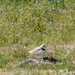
x=38, y=52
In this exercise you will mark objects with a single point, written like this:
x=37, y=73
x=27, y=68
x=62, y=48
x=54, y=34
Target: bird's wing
x=35, y=50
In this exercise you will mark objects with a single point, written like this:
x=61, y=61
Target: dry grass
x=38, y=72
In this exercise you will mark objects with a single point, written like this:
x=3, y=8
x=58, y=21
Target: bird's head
x=43, y=47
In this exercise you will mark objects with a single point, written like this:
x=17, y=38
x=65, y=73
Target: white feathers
x=38, y=50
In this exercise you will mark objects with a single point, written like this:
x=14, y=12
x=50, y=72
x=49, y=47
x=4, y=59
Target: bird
x=52, y=59
x=38, y=50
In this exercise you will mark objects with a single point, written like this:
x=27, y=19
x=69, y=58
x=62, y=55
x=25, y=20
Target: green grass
x=29, y=23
